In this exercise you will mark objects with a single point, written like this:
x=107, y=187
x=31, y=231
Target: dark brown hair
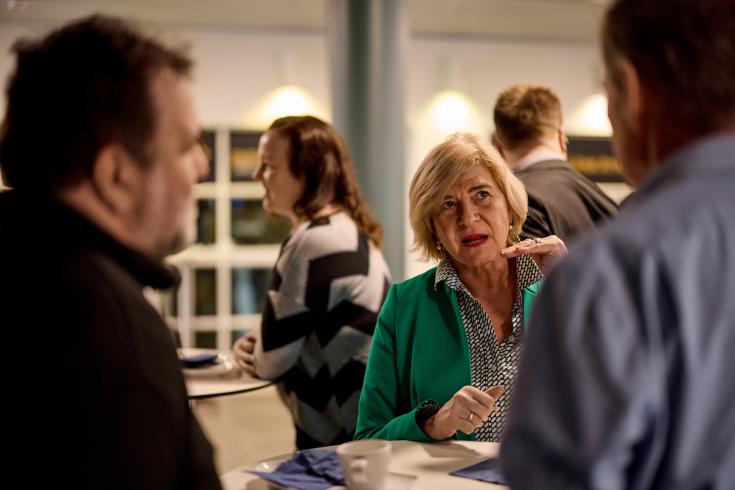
x=318, y=154
x=684, y=53
x=525, y=113
x=76, y=90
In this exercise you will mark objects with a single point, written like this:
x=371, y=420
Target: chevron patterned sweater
x=328, y=286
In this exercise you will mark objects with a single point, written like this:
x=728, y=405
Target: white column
x=368, y=41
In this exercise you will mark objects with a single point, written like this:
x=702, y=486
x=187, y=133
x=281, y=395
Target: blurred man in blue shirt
x=626, y=377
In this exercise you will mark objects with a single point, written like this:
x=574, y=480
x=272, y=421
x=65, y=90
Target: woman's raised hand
x=465, y=411
x=243, y=351
x=544, y=251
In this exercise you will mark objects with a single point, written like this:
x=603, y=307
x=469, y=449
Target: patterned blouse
x=491, y=364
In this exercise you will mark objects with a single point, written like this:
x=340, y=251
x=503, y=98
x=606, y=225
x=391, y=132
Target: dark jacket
x=562, y=201
x=93, y=395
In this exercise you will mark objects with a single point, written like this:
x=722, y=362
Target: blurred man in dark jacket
x=100, y=147
x=529, y=135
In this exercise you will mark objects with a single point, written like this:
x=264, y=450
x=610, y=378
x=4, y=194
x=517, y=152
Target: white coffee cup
x=365, y=464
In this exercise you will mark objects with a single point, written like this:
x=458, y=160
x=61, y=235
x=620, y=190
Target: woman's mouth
x=474, y=240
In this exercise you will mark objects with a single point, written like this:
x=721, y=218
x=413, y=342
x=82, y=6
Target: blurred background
x=395, y=77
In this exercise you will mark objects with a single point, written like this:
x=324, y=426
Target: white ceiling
x=570, y=20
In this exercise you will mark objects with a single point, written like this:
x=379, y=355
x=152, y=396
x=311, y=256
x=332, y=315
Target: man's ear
x=634, y=103
x=498, y=145
x=563, y=140
x=116, y=179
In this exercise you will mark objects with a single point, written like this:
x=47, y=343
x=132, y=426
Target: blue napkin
x=313, y=469
x=487, y=471
x=199, y=360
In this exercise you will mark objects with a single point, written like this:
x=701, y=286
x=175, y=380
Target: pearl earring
x=439, y=246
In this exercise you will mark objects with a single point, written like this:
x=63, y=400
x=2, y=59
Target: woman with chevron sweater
x=446, y=346
x=328, y=284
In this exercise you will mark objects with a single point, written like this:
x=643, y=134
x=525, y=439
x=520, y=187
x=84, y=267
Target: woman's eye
x=447, y=204
x=483, y=194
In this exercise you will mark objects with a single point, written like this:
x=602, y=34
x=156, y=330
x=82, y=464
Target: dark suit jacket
x=562, y=201
x=93, y=395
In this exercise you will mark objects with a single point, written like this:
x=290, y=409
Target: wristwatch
x=427, y=410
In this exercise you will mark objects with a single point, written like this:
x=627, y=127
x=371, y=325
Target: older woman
x=446, y=346
x=328, y=283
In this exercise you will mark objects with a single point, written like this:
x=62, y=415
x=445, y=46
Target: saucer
x=221, y=365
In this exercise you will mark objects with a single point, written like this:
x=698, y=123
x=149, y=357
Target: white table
x=430, y=463
x=206, y=386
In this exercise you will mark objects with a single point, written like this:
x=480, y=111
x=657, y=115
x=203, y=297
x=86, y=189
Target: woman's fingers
x=473, y=401
x=547, y=245
x=468, y=408
x=242, y=350
x=495, y=391
x=542, y=250
x=246, y=364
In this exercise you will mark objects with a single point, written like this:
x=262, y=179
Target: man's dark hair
x=684, y=53
x=319, y=155
x=525, y=113
x=76, y=90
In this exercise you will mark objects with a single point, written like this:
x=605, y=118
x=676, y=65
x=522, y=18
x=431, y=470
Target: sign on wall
x=593, y=157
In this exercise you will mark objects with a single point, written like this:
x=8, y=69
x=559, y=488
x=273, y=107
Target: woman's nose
x=465, y=214
x=257, y=173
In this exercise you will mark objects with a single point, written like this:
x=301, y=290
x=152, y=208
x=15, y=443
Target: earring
x=510, y=227
x=438, y=246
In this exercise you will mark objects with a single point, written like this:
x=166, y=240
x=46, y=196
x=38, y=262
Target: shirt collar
x=708, y=157
x=536, y=156
x=527, y=272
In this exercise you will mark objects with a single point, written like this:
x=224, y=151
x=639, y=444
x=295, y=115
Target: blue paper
x=487, y=471
x=314, y=469
x=199, y=360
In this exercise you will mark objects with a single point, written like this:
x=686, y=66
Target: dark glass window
x=251, y=225
x=209, y=147
x=205, y=340
x=243, y=154
x=205, y=286
x=249, y=289
x=206, y=221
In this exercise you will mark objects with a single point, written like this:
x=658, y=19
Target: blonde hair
x=444, y=163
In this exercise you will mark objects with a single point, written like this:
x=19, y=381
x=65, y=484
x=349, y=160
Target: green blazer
x=419, y=353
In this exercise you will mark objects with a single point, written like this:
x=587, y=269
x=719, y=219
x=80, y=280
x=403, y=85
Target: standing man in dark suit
x=529, y=135
x=100, y=146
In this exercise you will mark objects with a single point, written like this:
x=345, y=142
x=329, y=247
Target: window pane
x=206, y=292
x=252, y=225
x=206, y=221
x=236, y=334
x=243, y=154
x=205, y=340
x=169, y=302
x=249, y=287
x=176, y=337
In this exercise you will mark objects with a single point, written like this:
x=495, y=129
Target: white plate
x=396, y=481
x=222, y=366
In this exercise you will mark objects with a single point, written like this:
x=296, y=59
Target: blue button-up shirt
x=626, y=379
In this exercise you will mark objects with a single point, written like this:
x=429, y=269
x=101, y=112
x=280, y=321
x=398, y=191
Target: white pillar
x=368, y=41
